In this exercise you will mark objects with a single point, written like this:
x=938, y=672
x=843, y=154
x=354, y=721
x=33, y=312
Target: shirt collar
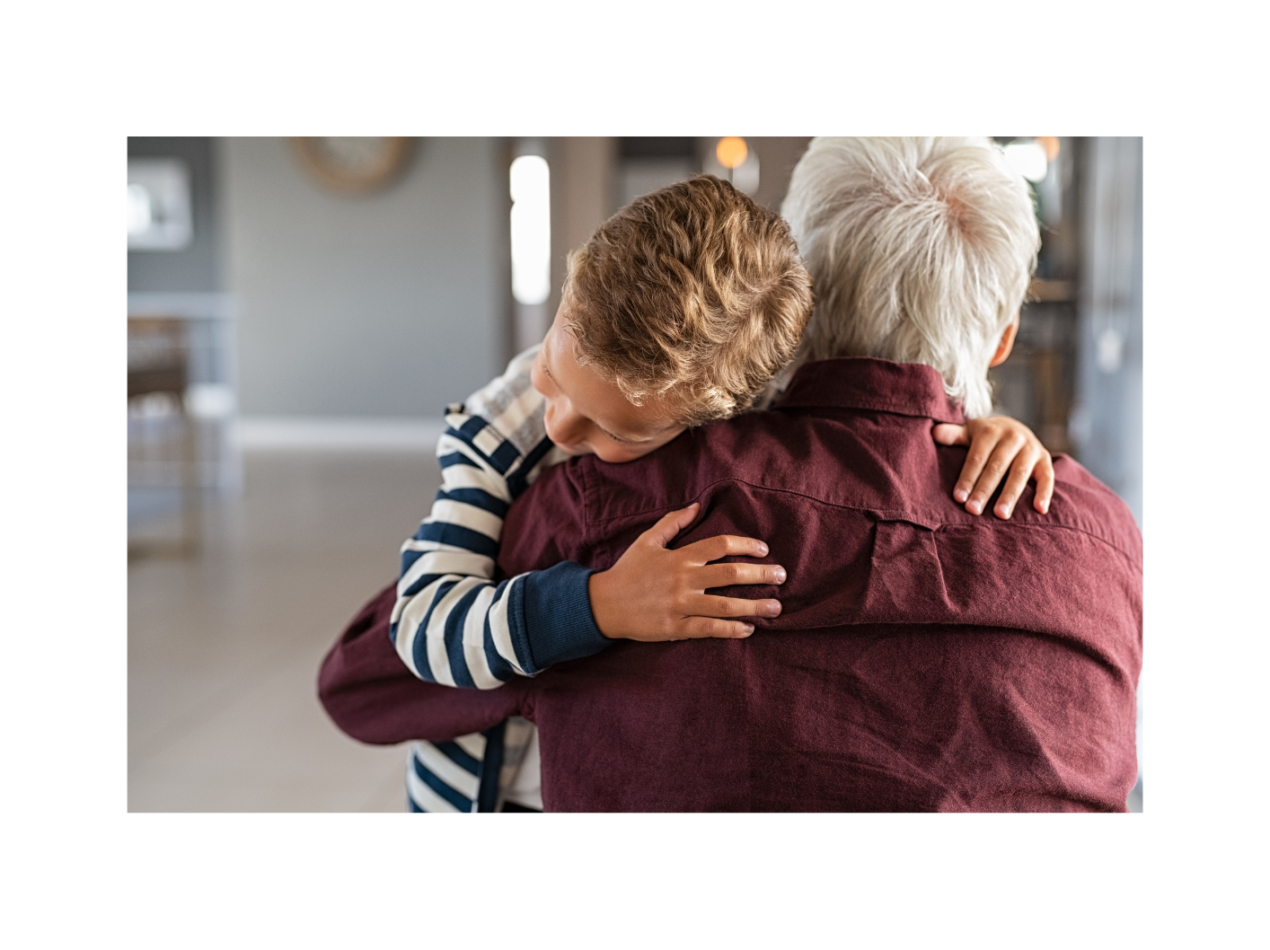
x=907, y=389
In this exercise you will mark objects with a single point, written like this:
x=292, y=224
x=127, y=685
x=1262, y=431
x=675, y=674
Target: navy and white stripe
x=493, y=771
x=453, y=625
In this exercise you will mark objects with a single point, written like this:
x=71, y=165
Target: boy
x=679, y=311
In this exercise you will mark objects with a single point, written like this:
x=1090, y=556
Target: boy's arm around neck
x=452, y=624
x=370, y=695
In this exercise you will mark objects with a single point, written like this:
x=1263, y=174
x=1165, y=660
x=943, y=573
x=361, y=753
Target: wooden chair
x=158, y=365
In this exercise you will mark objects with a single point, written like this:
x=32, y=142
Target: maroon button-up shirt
x=925, y=659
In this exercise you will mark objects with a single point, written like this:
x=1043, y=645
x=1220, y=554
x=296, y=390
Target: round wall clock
x=353, y=164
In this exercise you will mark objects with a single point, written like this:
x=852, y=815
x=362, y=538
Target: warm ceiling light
x=731, y=151
x=1050, y=144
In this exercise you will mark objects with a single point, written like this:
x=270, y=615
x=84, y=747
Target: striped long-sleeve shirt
x=453, y=625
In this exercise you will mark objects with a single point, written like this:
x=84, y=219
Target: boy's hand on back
x=999, y=444
x=653, y=593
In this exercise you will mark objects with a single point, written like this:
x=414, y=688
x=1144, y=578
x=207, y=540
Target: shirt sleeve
x=451, y=623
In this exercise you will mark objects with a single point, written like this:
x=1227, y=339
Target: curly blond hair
x=692, y=293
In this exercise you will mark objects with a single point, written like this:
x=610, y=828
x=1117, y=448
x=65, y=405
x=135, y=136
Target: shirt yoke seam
x=596, y=524
x=898, y=409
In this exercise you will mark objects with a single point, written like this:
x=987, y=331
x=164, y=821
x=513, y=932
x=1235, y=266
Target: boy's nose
x=567, y=427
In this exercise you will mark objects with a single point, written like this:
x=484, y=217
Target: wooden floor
x=224, y=646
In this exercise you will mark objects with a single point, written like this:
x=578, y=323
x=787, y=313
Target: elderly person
x=925, y=658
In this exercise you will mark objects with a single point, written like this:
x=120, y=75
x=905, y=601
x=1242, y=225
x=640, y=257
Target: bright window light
x=531, y=229
x=1028, y=159
x=139, y=214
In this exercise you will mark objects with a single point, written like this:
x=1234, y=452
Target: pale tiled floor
x=224, y=646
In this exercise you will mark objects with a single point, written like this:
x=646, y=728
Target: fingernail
x=749, y=628
x=762, y=548
x=772, y=608
x=1003, y=510
x=780, y=575
x=960, y=494
x=974, y=507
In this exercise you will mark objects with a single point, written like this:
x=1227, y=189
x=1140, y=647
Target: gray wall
x=387, y=304
x=1108, y=420
x=197, y=268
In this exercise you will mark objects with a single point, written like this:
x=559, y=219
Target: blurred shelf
x=1051, y=291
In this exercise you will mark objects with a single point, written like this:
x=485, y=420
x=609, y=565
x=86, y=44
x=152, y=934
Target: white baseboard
x=339, y=433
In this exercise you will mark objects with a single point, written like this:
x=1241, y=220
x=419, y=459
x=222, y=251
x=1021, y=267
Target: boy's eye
x=542, y=361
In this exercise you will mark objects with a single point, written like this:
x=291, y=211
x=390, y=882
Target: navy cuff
x=558, y=621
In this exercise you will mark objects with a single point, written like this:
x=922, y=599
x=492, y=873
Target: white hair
x=920, y=251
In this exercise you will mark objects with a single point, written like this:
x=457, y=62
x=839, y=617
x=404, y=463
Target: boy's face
x=586, y=414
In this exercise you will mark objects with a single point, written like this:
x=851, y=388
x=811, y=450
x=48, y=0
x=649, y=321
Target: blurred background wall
x=389, y=303
x=1106, y=421
x=312, y=308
